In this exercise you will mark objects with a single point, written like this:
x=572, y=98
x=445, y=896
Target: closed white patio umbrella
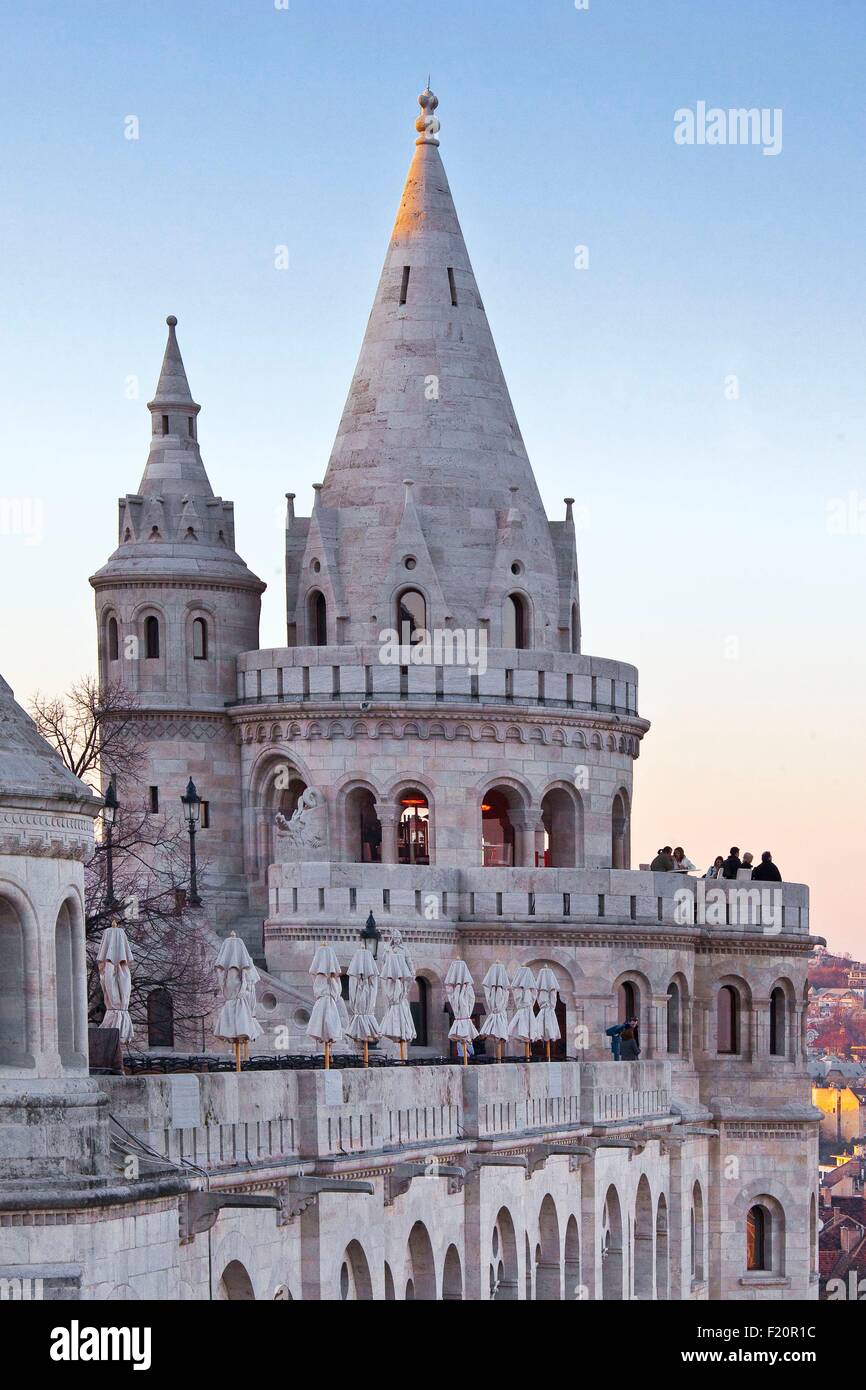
x=237, y=976
x=327, y=1018
x=114, y=960
x=524, y=992
x=495, y=1025
x=460, y=993
x=548, y=994
x=362, y=1027
x=398, y=976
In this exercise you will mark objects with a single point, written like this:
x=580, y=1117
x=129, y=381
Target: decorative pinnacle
x=427, y=123
x=171, y=321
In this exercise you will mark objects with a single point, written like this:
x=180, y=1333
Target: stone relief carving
x=305, y=835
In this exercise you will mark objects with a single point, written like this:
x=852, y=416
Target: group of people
x=674, y=861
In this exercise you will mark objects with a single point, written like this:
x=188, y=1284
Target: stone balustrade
x=347, y=677
x=334, y=894
x=224, y=1121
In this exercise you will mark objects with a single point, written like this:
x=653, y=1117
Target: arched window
x=673, y=1019
x=413, y=833
x=317, y=619
x=199, y=639
x=419, y=1008
x=411, y=616
x=113, y=640
x=160, y=1019
x=575, y=629
x=728, y=1021
x=619, y=852
x=13, y=994
x=363, y=827
x=68, y=1024
x=563, y=830
x=628, y=1003
x=778, y=1013
x=758, y=1238
x=497, y=829
x=151, y=638
x=697, y=1234
x=515, y=623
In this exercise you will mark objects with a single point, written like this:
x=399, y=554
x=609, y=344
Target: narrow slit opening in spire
x=452, y=286
x=404, y=288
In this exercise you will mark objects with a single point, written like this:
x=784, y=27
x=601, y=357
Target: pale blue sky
x=707, y=517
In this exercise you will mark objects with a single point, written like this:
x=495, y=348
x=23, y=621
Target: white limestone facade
x=433, y=745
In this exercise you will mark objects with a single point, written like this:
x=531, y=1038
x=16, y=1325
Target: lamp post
x=192, y=811
x=109, y=812
x=371, y=934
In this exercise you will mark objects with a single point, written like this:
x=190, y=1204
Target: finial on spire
x=427, y=123
x=172, y=387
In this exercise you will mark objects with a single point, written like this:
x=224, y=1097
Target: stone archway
x=504, y=1259
x=548, y=1269
x=644, y=1231
x=420, y=1264
x=611, y=1246
x=662, y=1252
x=452, y=1277
x=235, y=1284
x=354, y=1281
x=572, y=1259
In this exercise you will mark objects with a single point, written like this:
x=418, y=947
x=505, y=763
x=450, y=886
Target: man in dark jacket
x=614, y=1035
x=732, y=864
x=766, y=871
x=664, y=861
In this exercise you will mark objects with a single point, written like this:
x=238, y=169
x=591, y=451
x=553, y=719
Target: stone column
x=524, y=841
x=388, y=819
x=590, y=1236
x=679, y=1220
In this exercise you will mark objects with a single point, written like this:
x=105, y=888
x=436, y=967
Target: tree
x=98, y=734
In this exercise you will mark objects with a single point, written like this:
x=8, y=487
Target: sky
x=693, y=375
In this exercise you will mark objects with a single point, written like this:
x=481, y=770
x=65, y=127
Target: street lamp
x=192, y=811
x=371, y=934
x=109, y=814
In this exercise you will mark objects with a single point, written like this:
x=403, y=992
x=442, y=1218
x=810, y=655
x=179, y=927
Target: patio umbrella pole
x=237, y=1054
x=366, y=1053
x=327, y=1056
x=527, y=1050
x=547, y=1051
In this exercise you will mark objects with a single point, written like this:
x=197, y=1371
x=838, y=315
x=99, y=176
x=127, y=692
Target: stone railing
x=614, y=1092
x=352, y=676
x=331, y=894
x=268, y=1119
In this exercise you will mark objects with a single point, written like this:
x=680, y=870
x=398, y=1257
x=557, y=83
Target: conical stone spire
x=174, y=525
x=172, y=387
x=429, y=401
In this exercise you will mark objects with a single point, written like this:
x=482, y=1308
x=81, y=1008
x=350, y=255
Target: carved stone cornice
x=480, y=724
x=43, y=835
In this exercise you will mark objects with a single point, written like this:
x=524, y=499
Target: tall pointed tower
x=464, y=757
x=428, y=404
x=175, y=605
